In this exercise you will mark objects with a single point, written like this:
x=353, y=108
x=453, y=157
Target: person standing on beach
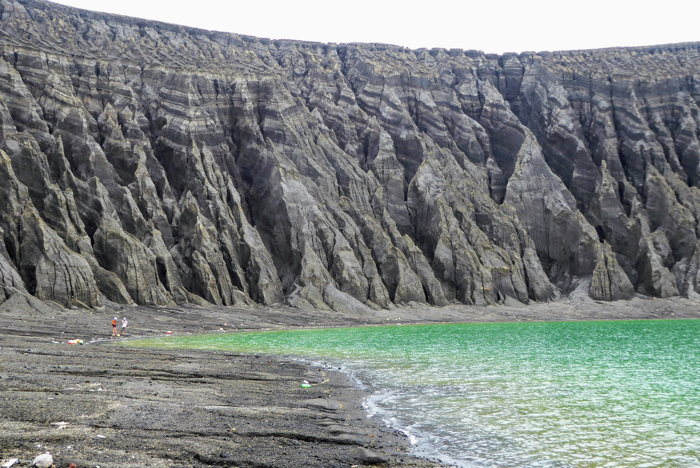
x=114, y=326
x=124, y=324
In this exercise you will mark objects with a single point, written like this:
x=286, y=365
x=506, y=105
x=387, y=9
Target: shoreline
x=135, y=407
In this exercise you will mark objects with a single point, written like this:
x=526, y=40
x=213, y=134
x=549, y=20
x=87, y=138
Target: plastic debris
x=9, y=462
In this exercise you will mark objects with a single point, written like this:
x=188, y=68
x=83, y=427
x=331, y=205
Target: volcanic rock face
x=155, y=164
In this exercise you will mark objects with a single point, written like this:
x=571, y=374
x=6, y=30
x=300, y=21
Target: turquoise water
x=565, y=394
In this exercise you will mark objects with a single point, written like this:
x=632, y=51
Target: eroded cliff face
x=154, y=164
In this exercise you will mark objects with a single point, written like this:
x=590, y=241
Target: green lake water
x=563, y=394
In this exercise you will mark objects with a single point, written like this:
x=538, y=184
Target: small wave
x=373, y=407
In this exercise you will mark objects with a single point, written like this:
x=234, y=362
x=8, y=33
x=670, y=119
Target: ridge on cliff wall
x=150, y=163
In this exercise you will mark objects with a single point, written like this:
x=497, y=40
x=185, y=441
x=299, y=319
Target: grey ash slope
x=150, y=163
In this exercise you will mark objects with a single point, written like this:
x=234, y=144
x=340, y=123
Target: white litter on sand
x=43, y=461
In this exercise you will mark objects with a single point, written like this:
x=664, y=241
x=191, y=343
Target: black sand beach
x=110, y=406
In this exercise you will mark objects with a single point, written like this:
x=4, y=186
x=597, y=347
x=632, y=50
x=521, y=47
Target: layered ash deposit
x=148, y=163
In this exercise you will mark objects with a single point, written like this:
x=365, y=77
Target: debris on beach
x=44, y=460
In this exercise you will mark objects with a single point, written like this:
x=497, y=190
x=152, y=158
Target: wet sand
x=110, y=406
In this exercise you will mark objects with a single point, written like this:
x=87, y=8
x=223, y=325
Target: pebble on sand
x=43, y=461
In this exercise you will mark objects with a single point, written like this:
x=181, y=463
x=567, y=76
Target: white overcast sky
x=494, y=26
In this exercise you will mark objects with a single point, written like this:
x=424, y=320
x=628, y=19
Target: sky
x=493, y=26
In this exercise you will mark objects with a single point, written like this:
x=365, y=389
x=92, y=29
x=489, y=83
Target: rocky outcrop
x=156, y=164
x=10, y=281
x=47, y=268
x=609, y=282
